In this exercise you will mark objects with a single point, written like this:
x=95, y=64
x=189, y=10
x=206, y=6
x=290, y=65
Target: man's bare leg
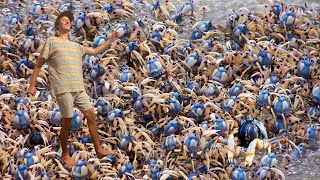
x=64, y=135
x=93, y=129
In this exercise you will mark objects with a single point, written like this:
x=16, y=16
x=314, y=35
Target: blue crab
x=220, y=75
x=154, y=67
x=55, y=117
x=30, y=158
x=192, y=143
x=197, y=111
x=196, y=34
x=251, y=129
x=126, y=169
x=270, y=160
x=287, y=19
x=22, y=172
x=187, y=8
x=21, y=119
x=172, y=127
x=76, y=121
x=269, y=172
x=315, y=94
x=237, y=173
x=37, y=9
x=304, y=68
x=96, y=72
x=80, y=170
x=116, y=113
x=265, y=58
x=282, y=105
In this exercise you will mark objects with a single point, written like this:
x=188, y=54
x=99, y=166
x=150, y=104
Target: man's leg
x=93, y=129
x=64, y=135
x=65, y=103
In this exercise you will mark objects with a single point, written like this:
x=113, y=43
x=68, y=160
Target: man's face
x=64, y=23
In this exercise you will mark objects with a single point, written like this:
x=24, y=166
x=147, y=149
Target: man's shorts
x=67, y=101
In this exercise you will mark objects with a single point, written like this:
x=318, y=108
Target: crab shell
x=171, y=143
x=103, y=107
x=66, y=7
x=193, y=60
x=314, y=112
x=315, y=94
x=31, y=31
x=55, y=117
x=154, y=173
x=154, y=67
x=304, y=68
x=311, y=132
x=277, y=9
x=287, y=19
x=220, y=125
x=80, y=170
x=96, y=72
x=124, y=141
x=126, y=168
x=132, y=46
x=126, y=75
x=262, y=172
x=279, y=124
x=228, y=104
x=263, y=98
x=210, y=90
x=112, y=115
x=270, y=160
x=282, y=106
x=138, y=105
x=21, y=119
x=251, y=129
x=236, y=89
x=238, y=174
x=19, y=100
x=238, y=30
x=123, y=30
x=295, y=153
x=36, y=139
x=177, y=18
x=22, y=172
x=265, y=58
x=193, y=85
x=79, y=21
x=175, y=106
x=192, y=143
x=30, y=158
x=197, y=111
x=186, y=8
x=196, y=34
x=13, y=19
x=76, y=121
x=36, y=9
x=220, y=75
x=172, y=127
x=205, y=26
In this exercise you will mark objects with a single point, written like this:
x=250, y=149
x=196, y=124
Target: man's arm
x=94, y=51
x=35, y=73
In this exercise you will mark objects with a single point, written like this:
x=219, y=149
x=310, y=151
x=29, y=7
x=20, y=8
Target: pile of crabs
x=234, y=101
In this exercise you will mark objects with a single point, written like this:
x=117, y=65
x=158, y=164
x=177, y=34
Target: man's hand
x=32, y=90
x=115, y=35
x=94, y=51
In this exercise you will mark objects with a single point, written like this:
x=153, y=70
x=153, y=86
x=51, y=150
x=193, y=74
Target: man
x=64, y=59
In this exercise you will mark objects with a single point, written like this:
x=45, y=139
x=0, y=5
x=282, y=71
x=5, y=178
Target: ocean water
x=307, y=167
